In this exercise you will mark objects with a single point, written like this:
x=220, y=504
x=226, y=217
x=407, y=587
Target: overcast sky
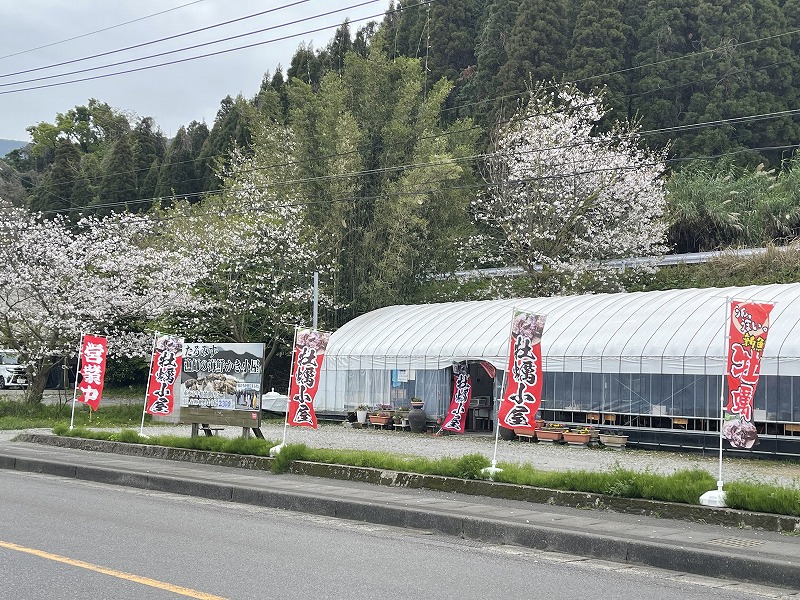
x=41, y=33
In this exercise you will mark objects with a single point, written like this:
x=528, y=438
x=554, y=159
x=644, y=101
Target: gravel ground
x=543, y=456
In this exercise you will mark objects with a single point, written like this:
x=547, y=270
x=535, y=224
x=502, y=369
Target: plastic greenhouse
x=644, y=360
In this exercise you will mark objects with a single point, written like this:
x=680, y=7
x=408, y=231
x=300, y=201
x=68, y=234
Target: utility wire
x=176, y=51
x=164, y=39
x=83, y=35
x=200, y=56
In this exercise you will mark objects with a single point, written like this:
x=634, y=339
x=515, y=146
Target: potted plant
x=361, y=413
x=400, y=419
x=550, y=432
x=417, y=402
x=378, y=419
x=525, y=433
x=577, y=437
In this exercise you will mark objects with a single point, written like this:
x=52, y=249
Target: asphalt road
x=144, y=545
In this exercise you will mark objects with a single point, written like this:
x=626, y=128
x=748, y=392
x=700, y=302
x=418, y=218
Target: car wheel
x=2, y=383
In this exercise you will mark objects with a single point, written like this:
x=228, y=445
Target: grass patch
x=682, y=486
x=22, y=415
x=763, y=498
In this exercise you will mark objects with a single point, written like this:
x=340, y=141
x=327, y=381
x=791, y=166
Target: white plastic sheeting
x=674, y=331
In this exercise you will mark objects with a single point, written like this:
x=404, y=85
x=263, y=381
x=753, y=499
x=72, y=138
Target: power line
x=133, y=47
x=83, y=35
x=207, y=55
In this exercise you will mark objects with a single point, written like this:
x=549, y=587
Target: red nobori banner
x=747, y=338
x=456, y=419
x=523, y=392
x=93, y=369
x=165, y=371
x=309, y=351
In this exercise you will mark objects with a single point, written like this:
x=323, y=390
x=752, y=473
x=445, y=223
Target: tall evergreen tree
x=149, y=146
x=118, y=187
x=232, y=127
x=178, y=175
x=537, y=47
x=601, y=45
x=481, y=91
x=54, y=194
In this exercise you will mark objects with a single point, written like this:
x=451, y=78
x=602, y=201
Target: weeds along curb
x=507, y=491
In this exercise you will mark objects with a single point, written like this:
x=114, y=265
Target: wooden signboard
x=221, y=385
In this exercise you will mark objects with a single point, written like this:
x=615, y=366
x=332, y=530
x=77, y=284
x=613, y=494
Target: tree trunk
x=37, y=381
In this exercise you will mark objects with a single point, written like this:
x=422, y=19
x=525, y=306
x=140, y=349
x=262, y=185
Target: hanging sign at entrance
x=456, y=419
x=749, y=326
x=523, y=392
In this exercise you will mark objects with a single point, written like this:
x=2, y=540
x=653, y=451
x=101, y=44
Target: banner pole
x=491, y=471
x=147, y=387
x=75, y=390
x=276, y=449
x=316, y=299
x=497, y=423
x=722, y=403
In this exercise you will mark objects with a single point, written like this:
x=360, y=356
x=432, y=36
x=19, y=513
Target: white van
x=11, y=373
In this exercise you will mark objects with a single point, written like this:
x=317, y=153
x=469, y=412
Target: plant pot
x=379, y=419
x=577, y=439
x=506, y=434
x=417, y=419
x=525, y=433
x=361, y=416
x=547, y=435
x=613, y=441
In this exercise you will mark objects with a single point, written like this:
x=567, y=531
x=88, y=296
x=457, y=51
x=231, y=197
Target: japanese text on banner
x=166, y=369
x=456, y=419
x=749, y=326
x=309, y=352
x=523, y=392
x=93, y=370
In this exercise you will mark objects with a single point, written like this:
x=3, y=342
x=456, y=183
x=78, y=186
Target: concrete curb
x=709, y=563
x=636, y=506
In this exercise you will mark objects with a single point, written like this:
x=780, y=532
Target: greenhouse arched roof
x=673, y=331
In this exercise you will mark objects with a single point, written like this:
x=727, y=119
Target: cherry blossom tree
x=563, y=197
x=101, y=276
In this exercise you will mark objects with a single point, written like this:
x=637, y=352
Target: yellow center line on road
x=114, y=573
